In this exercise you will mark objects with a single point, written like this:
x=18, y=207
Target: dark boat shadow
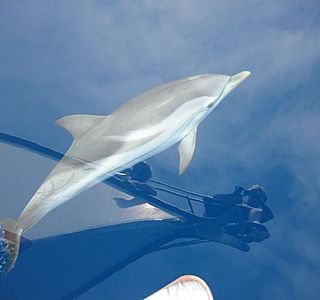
x=78, y=261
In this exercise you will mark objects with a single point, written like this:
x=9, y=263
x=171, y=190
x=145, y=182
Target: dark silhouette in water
x=245, y=212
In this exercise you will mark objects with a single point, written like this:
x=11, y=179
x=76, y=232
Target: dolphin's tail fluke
x=11, y=238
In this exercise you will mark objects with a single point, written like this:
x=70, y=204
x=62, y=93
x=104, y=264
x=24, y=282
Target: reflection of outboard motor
x=234, y=198
x=257, y=196
x=241, y=213
x=219, y=203
x=140, y=172
x=138, y=175
x=254, y=210
x=257, y=199
x=248, y=231
x=255, y=232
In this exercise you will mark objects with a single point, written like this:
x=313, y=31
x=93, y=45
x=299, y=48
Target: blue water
x=59, y=59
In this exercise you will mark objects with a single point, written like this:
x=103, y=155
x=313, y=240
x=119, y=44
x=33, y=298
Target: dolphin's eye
x=210, y=105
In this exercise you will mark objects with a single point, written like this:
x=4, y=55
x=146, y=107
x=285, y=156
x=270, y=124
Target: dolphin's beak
x=234, y=81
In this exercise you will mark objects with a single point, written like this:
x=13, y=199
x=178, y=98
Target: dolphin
x=137, y=130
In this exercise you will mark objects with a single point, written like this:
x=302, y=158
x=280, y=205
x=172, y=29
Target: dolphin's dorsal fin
x=186, y=149
x=78, y=125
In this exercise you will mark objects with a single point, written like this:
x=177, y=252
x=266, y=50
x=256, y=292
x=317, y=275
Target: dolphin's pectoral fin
x=78, y=125
x=186, y=149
